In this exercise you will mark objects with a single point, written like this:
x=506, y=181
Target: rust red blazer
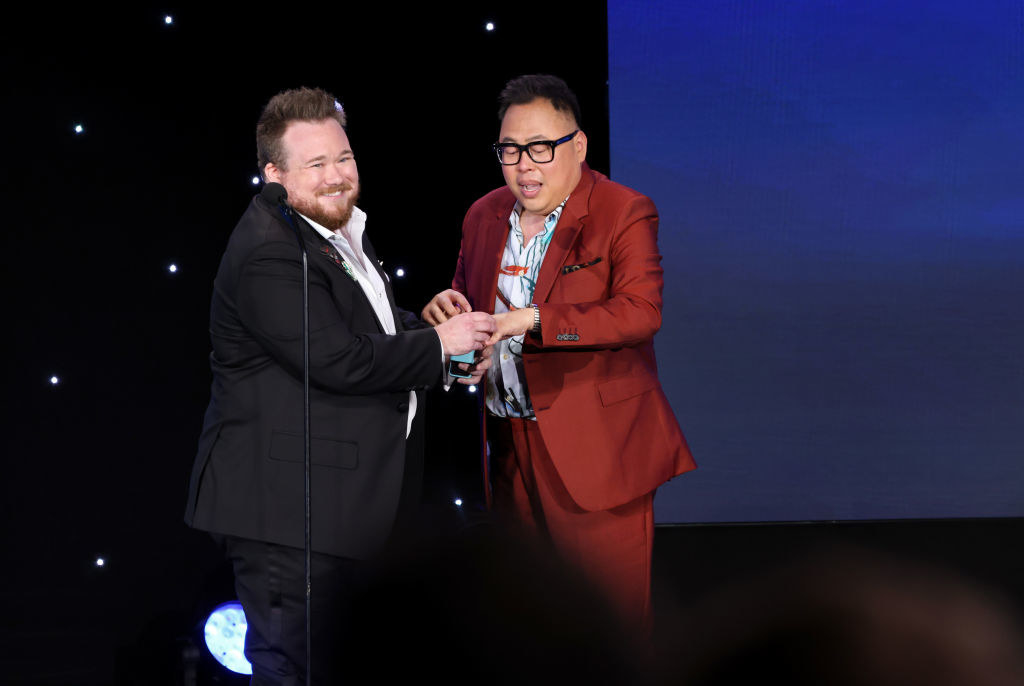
x=591, y=375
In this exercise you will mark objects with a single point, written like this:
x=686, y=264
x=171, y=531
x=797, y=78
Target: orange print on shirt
x=513, y=270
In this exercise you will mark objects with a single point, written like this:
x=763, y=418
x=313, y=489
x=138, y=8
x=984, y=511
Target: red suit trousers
x=611, y=548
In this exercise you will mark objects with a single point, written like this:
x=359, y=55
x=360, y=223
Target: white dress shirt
x=348, y=240
x=507, y=394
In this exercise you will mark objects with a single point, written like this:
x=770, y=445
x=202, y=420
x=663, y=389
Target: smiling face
x=320, y=173
x=540, y=188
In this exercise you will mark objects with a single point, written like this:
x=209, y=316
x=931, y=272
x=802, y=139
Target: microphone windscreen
x=274, y=193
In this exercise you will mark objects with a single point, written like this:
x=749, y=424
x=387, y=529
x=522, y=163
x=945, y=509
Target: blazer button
x=403, y=407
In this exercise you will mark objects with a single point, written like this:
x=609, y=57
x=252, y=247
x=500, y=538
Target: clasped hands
x=461, y=329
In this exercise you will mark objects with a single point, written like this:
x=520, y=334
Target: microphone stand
x=288, y=214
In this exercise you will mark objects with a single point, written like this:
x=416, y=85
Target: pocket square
x=568, y=269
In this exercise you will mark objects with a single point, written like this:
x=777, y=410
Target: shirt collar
x=549, y=222
x=352, y=232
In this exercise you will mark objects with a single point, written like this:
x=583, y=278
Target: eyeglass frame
x=526, y=148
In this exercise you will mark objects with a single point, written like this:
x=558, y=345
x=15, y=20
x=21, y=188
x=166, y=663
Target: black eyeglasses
x=540, y=152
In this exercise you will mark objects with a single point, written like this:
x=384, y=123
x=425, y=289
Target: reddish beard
x=329, y=219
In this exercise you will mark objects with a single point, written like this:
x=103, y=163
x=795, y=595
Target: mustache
x=344, y=188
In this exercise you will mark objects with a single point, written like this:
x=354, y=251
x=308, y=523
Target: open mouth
x=530, y=189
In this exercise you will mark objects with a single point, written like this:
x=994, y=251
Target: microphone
x=275, y=194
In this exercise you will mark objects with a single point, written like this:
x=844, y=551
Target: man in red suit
x=581, y=433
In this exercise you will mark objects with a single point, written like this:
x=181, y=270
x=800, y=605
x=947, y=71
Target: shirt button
x=504, y=357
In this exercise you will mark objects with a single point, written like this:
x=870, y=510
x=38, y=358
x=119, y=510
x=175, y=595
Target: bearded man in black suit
x=369, y=363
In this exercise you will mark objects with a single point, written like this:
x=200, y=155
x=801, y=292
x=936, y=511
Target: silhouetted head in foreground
x=850, y=619
x=486, y=608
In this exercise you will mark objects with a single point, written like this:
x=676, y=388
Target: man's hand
x=478, y=368
x=444, y=306
x=514, y=323
x=465, y=332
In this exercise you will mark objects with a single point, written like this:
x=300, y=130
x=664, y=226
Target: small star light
x=255, y=180
x=173, y=268
x=54, y=380
x=100, y=562
x=472, y=388
x=79, y=128
x=458, y=502
x=399, y=272
x=489, y=26
x=168, y=19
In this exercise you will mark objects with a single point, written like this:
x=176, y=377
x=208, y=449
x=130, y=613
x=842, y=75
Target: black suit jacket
x=247, y=479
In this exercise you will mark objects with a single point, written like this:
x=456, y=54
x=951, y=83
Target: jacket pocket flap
x=288, y=447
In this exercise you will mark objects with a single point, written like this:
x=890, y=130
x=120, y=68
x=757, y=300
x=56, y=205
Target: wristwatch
x=536, y=320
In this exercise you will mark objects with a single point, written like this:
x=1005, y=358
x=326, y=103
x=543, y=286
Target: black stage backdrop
x=98, y=465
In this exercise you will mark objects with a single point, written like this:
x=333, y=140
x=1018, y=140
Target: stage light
x=472, y=388
x=54, y=380
x=399, y=272
x=224, y=634
x=100, y=562
x=173, y=268
x=79, y=128
x=255, y=180
x=489, y=26
x=168, y=19
x=458, y=502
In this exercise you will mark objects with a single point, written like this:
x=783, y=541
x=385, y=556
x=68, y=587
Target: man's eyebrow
x=321, y=158
x=531, y=139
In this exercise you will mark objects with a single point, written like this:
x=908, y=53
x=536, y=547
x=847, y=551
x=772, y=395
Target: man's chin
x=329, y=218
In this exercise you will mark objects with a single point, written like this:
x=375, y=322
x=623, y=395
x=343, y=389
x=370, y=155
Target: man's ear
x=271, y=174
x=580, y=146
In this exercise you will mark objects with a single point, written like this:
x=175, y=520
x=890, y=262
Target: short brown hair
x=523, y=90
x=298, y=104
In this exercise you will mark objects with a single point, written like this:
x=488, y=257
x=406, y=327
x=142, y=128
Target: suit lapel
x=318, y=245
x=326, y=250
x=493, y=248
x=570, y=224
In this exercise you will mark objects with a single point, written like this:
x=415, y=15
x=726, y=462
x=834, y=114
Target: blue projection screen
x=841, y=189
